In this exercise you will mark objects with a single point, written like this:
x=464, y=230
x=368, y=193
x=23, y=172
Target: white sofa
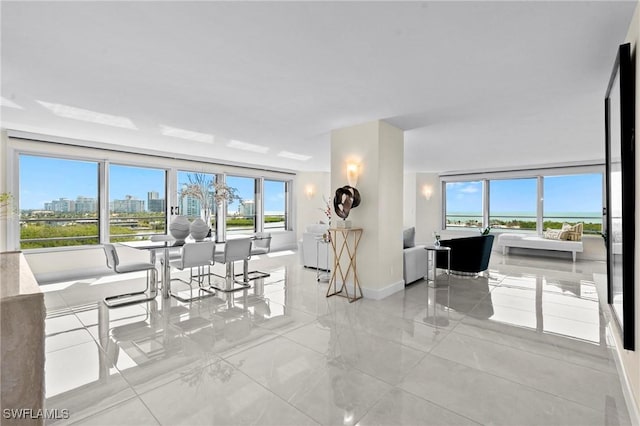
x=414, y=257
x=535, y=242
x=414, y=262
x=314, y=254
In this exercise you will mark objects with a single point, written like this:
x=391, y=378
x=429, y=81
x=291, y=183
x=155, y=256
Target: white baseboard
x=632, y=406
x=600, y=281
x=379, y=294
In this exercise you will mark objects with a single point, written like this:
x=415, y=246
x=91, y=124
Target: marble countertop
x=16, y=278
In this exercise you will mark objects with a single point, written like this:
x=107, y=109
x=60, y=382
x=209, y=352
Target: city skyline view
x=43, y=180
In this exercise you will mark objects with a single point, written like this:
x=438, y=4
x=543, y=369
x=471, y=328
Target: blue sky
x=569, y=193
x=44, y=179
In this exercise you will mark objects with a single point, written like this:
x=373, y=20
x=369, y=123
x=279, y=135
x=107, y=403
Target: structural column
x=377, y=148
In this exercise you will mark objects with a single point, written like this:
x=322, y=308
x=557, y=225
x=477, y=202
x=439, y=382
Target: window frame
x=104, y=154
x=483, y=203
x=13, y=232
x=539, y=174
x=286, y=202
x=257, y=200
x=107, y=165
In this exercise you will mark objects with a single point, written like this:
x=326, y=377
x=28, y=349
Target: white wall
x=428, y=212
x=423, y=213
x=308, y=209
x=409, y=200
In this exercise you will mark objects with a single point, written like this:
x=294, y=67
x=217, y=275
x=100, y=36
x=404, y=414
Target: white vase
x=179, y=227
x=199, y=229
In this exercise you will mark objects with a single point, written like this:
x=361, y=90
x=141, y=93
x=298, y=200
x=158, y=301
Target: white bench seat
x=534, y=242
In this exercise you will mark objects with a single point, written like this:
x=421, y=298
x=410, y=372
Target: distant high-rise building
x=130, y=204
x=61, y=205
x=156, y=205
x=154, y=202
x=190, y=206
x=247, y=208
x=86, y=205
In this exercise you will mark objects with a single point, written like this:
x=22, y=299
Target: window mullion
x=540, y=213
x=259, y=209
x=485, y=203
x=103, y=195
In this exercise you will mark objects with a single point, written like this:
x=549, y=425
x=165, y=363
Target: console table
x=344, y=243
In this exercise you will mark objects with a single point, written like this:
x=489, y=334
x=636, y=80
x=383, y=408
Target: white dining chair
x=235, y=250
x=149, y=293
x=196, y=256
x=260, y=244
x=174, y=252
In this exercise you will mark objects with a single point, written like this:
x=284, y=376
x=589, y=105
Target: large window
x=531, y=203
x=241, y=213
x=78, y=196
x=513, y=203
x=573, y=199
x=275, y=205
x=136, y=202
x=463, y=204
x=58, y=202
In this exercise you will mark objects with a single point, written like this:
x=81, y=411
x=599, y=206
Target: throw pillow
x=552, y=234
x=575, y=232
x=409, y=237
x=555, y=234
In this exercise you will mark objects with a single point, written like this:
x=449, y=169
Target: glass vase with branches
x=209, y=192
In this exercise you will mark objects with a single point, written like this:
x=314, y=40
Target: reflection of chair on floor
x=200, y=256
x=234, y=250
x=470, y=296
x=260, y=244
x=149, y=293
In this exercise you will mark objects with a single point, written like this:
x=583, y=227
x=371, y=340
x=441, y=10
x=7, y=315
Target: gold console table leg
x=346, y=249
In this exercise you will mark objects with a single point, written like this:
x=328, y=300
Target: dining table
x=164, y=244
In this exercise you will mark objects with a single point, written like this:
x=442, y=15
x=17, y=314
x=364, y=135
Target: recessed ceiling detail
x=88, y=116
x=294, y=156
x=186, y=134
x=244, y=146
x=8, y=103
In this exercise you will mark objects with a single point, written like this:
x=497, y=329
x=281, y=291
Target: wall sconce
x=309, y=191
x=427, y=191
x=353, y=171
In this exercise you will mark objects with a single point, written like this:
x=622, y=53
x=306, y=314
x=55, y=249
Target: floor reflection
x=283, y=353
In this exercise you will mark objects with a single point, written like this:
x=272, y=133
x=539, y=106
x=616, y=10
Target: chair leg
x=148, y=294
x=251, y=275
x=231, y=284
x=200, y=279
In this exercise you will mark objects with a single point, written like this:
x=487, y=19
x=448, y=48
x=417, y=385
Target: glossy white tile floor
x=525, y=346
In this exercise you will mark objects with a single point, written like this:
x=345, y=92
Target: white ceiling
x=475, y=85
